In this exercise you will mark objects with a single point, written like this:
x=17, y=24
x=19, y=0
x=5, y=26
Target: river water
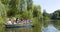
x=18, y=30
x=50, y=28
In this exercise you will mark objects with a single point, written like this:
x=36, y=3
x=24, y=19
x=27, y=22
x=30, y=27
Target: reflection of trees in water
x=46, y=23
x=56, y=24
x=18, y=30
x=36, y=28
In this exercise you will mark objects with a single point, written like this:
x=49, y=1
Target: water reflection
x=18, y=30
x=56, y=24
x=50, y=28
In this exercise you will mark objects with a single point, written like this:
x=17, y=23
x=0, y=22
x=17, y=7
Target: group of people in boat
x=16, y=21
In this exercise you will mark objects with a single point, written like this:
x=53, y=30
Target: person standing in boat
x=9, y=22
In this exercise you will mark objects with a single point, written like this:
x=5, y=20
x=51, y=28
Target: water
x=50, y=28
x=4, y=29
x=18, y=30
x=36, y=28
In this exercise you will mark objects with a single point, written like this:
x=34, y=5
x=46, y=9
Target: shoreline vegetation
x=20, y=9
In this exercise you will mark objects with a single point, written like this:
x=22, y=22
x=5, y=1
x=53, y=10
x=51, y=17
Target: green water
x=19, y=30
x=16, y=29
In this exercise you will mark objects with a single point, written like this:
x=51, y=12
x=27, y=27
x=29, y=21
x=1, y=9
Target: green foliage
x=2, y=10
x=30, y=15
x=37, y=25
x=46, y=18
x=12, y=8
x=56, y=15
x=10, y=13
x=25, y=14
x=5, y=2
x=29, y=4
x=22, y=6
x=21, y=9
x=36, y=11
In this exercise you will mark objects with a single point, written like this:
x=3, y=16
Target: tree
x=2, y=10
x=36, y=18
x=5, y=2
x=46, y=18
x=22, y=6
x=21, y=9
x=12, y=8
x=37, y=11
x=29, y=5
x=56, y=15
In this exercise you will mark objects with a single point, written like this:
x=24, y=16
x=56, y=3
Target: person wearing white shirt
x=9, y=22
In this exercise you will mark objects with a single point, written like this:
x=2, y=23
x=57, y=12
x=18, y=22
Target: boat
x=19, y=26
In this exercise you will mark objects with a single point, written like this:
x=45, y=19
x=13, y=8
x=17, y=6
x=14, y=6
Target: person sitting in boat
x=26, y=21
x=16, y=21
x=9, y=22
x=29, y=21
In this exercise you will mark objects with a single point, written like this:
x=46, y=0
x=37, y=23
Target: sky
x=49, y=5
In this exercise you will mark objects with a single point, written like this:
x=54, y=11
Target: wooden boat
x=19, y=26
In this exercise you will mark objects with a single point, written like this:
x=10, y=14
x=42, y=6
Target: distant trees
x=56, y=15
